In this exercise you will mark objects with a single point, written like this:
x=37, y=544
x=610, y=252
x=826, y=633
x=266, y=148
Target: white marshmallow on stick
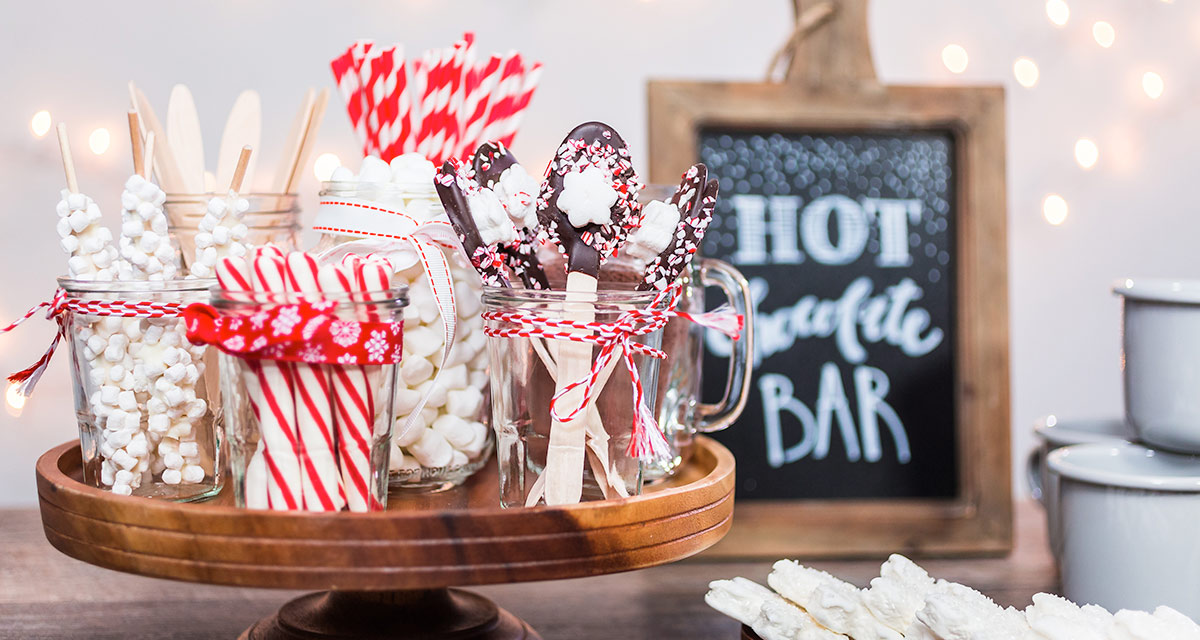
x=146, y=251
x=93, y=256
x=167, y=366
x=222, y=233
x=323, y=490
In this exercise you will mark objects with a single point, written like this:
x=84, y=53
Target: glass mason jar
x=678, y=407
x=449, y=441
x=273, y=218
x=146, y=399
x=525, y=376
x=305, y=436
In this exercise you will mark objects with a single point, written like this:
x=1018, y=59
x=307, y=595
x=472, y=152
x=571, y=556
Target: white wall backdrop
x=1132, y=214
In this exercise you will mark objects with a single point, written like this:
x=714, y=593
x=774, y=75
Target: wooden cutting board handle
x=831, y=47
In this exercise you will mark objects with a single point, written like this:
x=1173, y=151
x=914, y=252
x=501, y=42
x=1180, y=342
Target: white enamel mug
x=1054, y=434
x=1161, y=361
x=1130, y=526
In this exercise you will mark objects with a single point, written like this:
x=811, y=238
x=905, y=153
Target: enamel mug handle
x=715, y=417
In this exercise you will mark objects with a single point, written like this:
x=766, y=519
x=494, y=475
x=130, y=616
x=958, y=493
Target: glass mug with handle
x=678, y=408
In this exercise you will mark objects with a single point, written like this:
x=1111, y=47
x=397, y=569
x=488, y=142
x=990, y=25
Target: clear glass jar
x=678, y=408
x=450, y=441
x=528, y=371
x=302, y=436
x=146, y=399
x=273, y=218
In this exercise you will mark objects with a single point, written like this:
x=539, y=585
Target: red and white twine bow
x=61, y=303
x=302, y=332
x=647, y=442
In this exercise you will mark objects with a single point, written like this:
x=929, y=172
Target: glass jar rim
x=387, y=187
x=174, y=196
x=176, y=285
x=501, y=296
x=396, y=297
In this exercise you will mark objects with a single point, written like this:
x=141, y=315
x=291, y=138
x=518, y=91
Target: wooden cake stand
x=388, y=575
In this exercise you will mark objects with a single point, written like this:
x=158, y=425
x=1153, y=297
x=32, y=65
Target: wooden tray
x=388, y=571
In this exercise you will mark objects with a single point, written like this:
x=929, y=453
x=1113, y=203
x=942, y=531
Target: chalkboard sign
x=871, y=223
x=847, y=240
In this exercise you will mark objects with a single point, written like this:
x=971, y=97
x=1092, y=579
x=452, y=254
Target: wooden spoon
x=165, y=165
x=185, y=137
x=242, y=129
x=295, y=140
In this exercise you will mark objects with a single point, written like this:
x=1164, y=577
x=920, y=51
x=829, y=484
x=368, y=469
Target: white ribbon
x=404, y=241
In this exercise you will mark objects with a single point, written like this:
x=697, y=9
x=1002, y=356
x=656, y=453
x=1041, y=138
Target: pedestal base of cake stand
x=426, y=614
x=388, y=574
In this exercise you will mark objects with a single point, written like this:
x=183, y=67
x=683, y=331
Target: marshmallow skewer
x=587, y=204
x=222, y=233
x=166, y=366
x=124, y=450
x=323, y=488
x=93, y=256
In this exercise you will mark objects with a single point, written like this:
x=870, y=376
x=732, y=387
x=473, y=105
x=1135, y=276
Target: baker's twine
x=648, y=443
x=61, y=303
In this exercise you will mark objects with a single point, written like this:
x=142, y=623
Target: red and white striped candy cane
x=277, y=384
x=353, y=405
x=323, y=489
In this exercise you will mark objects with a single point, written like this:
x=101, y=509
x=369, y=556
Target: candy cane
x=323, y=489
x=276, y=387
x=353, y=407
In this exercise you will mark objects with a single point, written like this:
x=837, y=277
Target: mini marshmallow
x=432, y=450
x=173, y=461
x=405, y=401
x=172, y=476
x=415, y=370
x=465, y=402
x=455, y=430
x=192, y=473
x=405, y=435
x=435, y=396
x=122, y=490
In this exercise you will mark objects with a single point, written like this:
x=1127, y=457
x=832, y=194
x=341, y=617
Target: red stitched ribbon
x=302, y=332
x=648, y=442
x=55, y=310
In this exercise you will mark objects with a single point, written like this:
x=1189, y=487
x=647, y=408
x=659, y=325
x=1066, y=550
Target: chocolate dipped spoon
x=670, y=232
x=497, y=169
x=456, y=187
x=587, y=205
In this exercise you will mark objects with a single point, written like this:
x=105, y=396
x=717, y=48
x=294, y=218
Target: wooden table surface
x=44, y=594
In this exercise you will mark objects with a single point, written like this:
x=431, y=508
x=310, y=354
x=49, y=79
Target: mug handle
x=715, y=417
x=1033, y=474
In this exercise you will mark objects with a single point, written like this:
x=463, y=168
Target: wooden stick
x=148, y=163
x=294, y=144
x=310, y=137
x=135, y=142
x=239, y=172
x=68, y=164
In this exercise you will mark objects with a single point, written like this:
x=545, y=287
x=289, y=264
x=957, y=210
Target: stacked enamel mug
x=1123, y=496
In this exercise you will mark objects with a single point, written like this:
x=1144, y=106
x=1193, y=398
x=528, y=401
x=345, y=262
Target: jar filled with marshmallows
x=440, y=433
x=146, y=398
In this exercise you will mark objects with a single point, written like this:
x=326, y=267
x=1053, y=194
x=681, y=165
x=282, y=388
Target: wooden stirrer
x=68, y=164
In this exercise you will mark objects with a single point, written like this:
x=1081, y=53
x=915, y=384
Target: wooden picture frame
x=979, y=519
